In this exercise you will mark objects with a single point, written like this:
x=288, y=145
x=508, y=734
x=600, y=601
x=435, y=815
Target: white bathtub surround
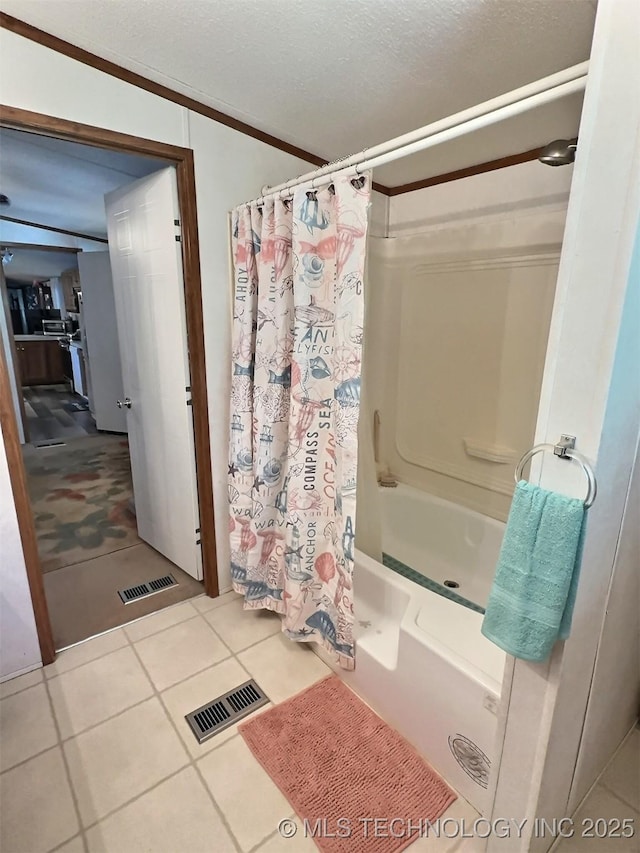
x=457, y=401
x=423, y=665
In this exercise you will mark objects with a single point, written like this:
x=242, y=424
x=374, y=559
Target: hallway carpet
x=82, y=498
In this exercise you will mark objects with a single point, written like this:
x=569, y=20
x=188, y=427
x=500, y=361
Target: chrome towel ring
x=564, y=449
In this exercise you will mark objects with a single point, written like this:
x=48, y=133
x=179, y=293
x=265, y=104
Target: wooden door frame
x=182, y=159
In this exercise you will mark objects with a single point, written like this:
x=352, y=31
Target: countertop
x=54, y=338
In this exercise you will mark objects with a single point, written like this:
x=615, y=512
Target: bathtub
x=421, y=661
x=453, y=546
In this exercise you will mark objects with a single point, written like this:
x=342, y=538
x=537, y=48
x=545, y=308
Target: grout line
x=114, y=630
x=51, y=676
x=68, y=841
x=130, y=642
x=599, y=780
x=124, y=805
x=160, y=630
x=618, y=797
x=192, y=761
x=133, y=621
x=275, y=834
x=30, y=758
x=48, y=676
x=74, y=797
x=135, y=704
x=22, y=689
x=221, y=814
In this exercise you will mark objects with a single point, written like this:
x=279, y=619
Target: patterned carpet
x=82, y=499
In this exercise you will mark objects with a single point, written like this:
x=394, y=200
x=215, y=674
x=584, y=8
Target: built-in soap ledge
x=495, y=453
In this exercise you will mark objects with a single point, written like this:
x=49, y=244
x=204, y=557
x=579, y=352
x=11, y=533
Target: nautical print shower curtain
x=295, y=394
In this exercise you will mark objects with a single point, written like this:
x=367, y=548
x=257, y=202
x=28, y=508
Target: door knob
x=124, y=404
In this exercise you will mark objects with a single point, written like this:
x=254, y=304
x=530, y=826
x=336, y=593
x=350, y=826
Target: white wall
x=19, y=649
x=230, y=168
x=614, y=700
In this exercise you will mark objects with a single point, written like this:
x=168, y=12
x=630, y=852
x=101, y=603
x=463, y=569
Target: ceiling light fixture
x=7, y=256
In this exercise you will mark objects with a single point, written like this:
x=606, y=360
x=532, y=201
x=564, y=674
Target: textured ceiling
x=63, y=184
x=335, y=76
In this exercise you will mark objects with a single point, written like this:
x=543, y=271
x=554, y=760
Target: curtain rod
x=542, y=91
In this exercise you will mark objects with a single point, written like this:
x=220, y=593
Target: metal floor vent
x=144, y=590
x=49, y=443
x=226, y=710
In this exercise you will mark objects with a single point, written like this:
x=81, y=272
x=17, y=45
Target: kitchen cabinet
x=40, y=362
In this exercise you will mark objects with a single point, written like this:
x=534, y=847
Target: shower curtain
x=295, y=395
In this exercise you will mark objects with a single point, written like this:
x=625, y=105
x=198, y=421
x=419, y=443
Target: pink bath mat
x=341, y=766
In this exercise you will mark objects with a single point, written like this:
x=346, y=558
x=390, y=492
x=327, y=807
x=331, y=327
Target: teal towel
x=534, y=589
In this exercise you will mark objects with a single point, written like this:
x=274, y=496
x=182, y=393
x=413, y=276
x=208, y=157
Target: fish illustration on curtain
x=295, y=397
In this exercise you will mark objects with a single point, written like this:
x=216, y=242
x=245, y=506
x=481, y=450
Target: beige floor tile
x=250, y=802
x=282, y=667
x=122, y=758
x=26, y=726
x=623, y=775
x=14, y=685
x=198, y=690
x=460, y=817
x=298, y=843
x=156, y=622
x=87, y=651
x=76, y=845
x=177, y=815
x=471, y=845
x=180, y=651
x=241, y=628
x=37, y=806
x=91, y=693
x=203, y=603
x=602, y=804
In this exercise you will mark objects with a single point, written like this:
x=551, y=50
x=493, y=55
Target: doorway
x=91, y=457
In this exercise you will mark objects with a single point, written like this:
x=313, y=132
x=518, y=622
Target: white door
x=101, y=343
x=146, y=264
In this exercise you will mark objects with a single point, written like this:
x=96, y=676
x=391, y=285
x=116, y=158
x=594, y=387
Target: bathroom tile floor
x=616, y=797
x=95, y=754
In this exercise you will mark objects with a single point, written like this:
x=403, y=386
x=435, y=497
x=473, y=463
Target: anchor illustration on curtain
x=295, y=396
